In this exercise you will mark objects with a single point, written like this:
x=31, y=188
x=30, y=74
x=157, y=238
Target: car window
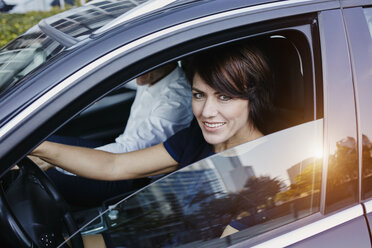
x=24, y=54
x=243, y=192
x=254, y=187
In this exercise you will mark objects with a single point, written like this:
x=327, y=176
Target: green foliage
x=13, y=25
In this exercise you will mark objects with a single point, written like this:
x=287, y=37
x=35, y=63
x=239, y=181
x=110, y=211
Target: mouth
x=213, y=124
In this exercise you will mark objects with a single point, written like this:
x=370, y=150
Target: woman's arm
x=103, y=165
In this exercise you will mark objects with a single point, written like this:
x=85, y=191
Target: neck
x=251, y=134
x=162, y=73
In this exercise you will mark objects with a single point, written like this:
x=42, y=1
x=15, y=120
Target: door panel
x=325, y=232
x=333, y=237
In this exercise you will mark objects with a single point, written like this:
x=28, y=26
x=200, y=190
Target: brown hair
x=239, y=71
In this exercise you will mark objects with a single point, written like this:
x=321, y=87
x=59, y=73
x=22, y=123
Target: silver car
x=307, y=183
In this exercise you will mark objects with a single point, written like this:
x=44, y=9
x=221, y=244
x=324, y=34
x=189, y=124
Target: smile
x=214, y=125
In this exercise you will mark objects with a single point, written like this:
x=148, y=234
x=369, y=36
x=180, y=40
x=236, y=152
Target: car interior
x=106, y=119
x=293, y=101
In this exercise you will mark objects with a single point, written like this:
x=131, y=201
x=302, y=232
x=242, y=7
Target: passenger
x=160, y=109
x=231, y=88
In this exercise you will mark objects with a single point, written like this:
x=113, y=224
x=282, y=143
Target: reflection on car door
x=359, y=21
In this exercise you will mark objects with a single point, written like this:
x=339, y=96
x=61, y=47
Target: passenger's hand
x=41, y=163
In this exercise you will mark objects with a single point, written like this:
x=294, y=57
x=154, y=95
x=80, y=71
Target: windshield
x=36, y=46
x=24, y=54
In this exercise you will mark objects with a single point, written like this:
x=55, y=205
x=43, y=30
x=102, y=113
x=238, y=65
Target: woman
x=231, y=92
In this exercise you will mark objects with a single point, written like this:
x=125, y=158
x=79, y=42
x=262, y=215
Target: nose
x=209, y=108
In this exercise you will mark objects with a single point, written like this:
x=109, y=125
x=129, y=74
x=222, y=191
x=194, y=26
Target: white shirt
x=158, y=111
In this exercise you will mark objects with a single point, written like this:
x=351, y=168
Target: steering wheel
x=33, y=213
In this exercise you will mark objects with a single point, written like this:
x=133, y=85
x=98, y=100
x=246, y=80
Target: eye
x=224, y=98
x=197, y=95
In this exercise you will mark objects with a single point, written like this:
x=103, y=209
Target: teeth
x=213, y=125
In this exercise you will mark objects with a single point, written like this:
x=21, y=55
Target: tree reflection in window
x=367, y=167
x=266, y=199
x=342, y=175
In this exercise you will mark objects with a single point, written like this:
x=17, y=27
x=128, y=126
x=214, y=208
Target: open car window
x=106, y=118
x=243, y=192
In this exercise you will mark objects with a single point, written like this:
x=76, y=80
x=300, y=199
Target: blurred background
x=16, y=16
x=23, y=6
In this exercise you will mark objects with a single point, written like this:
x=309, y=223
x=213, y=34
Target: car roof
x=101, y=16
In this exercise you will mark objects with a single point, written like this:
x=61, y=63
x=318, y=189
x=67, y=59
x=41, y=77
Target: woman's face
x=222, y=119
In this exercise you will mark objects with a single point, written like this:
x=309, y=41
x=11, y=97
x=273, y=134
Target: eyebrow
x=196, y=89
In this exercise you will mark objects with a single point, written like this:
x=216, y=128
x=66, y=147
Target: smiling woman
x=231, y=95
x=223, y=120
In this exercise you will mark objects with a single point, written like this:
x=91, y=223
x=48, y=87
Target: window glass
x=252, y=188
x=24, y=54
x=368, y=15
x=342, y=179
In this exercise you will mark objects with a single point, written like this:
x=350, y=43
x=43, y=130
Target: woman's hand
x=101, y=165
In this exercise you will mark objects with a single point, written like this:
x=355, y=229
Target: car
x=307, y=183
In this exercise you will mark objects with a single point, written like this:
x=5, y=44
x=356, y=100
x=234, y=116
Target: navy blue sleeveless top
x=188, y=145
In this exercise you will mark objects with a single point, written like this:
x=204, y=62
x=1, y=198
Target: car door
x=297, y=186
x=296, y=201
x=359, y=22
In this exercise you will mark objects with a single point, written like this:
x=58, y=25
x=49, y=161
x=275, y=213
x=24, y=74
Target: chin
x=213, y=140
